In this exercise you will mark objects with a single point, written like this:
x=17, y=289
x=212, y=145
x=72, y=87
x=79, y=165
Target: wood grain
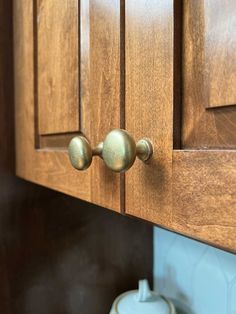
x=204, y=196
x=220, y=51
x=58, y=65
x=101, y=88
x=209, y=58
x=190, y=192
x=149, y=105
x=58, y=141
x=51, y=167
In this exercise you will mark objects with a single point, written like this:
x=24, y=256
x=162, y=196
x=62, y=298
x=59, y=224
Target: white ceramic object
x=142, y=301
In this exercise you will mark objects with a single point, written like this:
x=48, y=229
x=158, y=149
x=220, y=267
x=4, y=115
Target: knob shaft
x=118, y=151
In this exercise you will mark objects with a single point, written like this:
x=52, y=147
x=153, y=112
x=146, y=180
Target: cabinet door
x=67, y=82
x=181, y=93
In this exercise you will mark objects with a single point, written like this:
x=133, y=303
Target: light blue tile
x=197, y=277
x=163, y=240
x=194, y=249
x=232, y=296
x=210, y=286
x=228, y=263
x=179, y=278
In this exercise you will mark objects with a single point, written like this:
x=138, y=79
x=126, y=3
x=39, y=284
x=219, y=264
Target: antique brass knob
x=118, y=151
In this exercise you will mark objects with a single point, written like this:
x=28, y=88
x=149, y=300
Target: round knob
x=80, y=153
x=118, y=151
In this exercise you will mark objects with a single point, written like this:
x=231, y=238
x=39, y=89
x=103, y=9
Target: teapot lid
x=142, y=301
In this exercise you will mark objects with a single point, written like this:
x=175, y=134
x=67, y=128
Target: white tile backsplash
x=199, y=279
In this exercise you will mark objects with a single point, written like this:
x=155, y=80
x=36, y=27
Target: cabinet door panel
x=209, y=74
x=57, y=58
x=219, y=31
x=42, y=156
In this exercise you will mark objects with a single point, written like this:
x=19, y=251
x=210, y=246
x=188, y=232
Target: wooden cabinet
x=68, y=81
x=162, y=70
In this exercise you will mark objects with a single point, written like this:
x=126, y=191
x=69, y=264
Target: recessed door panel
x=56, y=38
x=209, y=74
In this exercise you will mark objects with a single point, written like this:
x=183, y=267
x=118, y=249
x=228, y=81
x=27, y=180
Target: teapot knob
x=144, y=292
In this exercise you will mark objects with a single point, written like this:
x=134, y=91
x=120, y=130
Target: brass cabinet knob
x=80, y=153
x=118, y=151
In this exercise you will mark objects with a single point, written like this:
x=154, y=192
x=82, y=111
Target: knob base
x=144, y=149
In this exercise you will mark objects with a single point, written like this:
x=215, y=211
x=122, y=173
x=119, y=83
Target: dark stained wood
x=209, y=74
x=58, y=65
